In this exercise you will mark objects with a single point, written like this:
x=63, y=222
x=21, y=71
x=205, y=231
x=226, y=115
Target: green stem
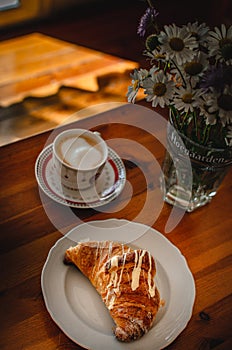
x=183, y=120
x=206, y=134
x=195, y=123
x=174, y=118
x=165, y=67
x=182, y=77
x=150, y=3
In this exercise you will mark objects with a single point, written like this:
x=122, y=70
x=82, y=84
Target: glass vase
x=192, y=173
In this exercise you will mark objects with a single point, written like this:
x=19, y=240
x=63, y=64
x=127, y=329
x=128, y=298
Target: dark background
x=110, y=26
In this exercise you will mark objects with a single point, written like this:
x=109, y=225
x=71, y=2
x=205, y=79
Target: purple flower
x=217, y=77
x=147, y=20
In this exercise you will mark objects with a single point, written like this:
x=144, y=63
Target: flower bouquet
x=191, y=74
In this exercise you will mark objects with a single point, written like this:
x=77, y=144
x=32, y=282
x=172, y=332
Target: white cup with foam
x=79, y=157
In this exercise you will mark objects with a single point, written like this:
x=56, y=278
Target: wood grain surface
x=30, y=224
x=38, y=65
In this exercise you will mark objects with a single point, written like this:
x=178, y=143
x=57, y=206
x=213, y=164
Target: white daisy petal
x=223, y=30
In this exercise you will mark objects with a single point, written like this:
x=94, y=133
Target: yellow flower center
x=225, y=102
x=176, y=44
x=159, y=89
x=226, y=48
x=193, y=68
x=187, y=98
x=135, y=84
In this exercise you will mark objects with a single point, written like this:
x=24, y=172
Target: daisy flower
x=177, y=43
x=220, y=44
x=198, y=31
x=155, y=55
x=193, y=70
x=137, y=77
x=191, y=73
x=187, y=98
x=221, y=104
x=159, y=89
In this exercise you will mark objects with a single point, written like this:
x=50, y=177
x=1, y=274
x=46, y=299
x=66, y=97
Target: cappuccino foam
x=80, y=152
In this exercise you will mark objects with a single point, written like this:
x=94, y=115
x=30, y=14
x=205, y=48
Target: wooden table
x=31, y=223
x=44, y=80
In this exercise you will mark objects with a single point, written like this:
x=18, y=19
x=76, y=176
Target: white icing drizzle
x=113, y=279
x=114, y=283
x=121, y=273
x=111, y=302
x=151, y=288
x=137, y=269
x=113, y=287
x=110, y=250
x=114, y=261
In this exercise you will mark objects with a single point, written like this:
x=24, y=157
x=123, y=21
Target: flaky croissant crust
x=124, y=277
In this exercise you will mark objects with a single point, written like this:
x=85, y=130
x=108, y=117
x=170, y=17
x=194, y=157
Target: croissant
x=124, y=277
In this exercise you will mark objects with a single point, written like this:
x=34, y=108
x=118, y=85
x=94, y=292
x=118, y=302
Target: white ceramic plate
x=76, y=307
x=108, y=186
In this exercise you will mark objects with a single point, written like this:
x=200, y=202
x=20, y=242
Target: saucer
x=108, y=186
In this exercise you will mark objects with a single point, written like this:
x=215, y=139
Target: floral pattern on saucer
x=108, y=186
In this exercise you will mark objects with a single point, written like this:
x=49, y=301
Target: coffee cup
x=79, y=157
